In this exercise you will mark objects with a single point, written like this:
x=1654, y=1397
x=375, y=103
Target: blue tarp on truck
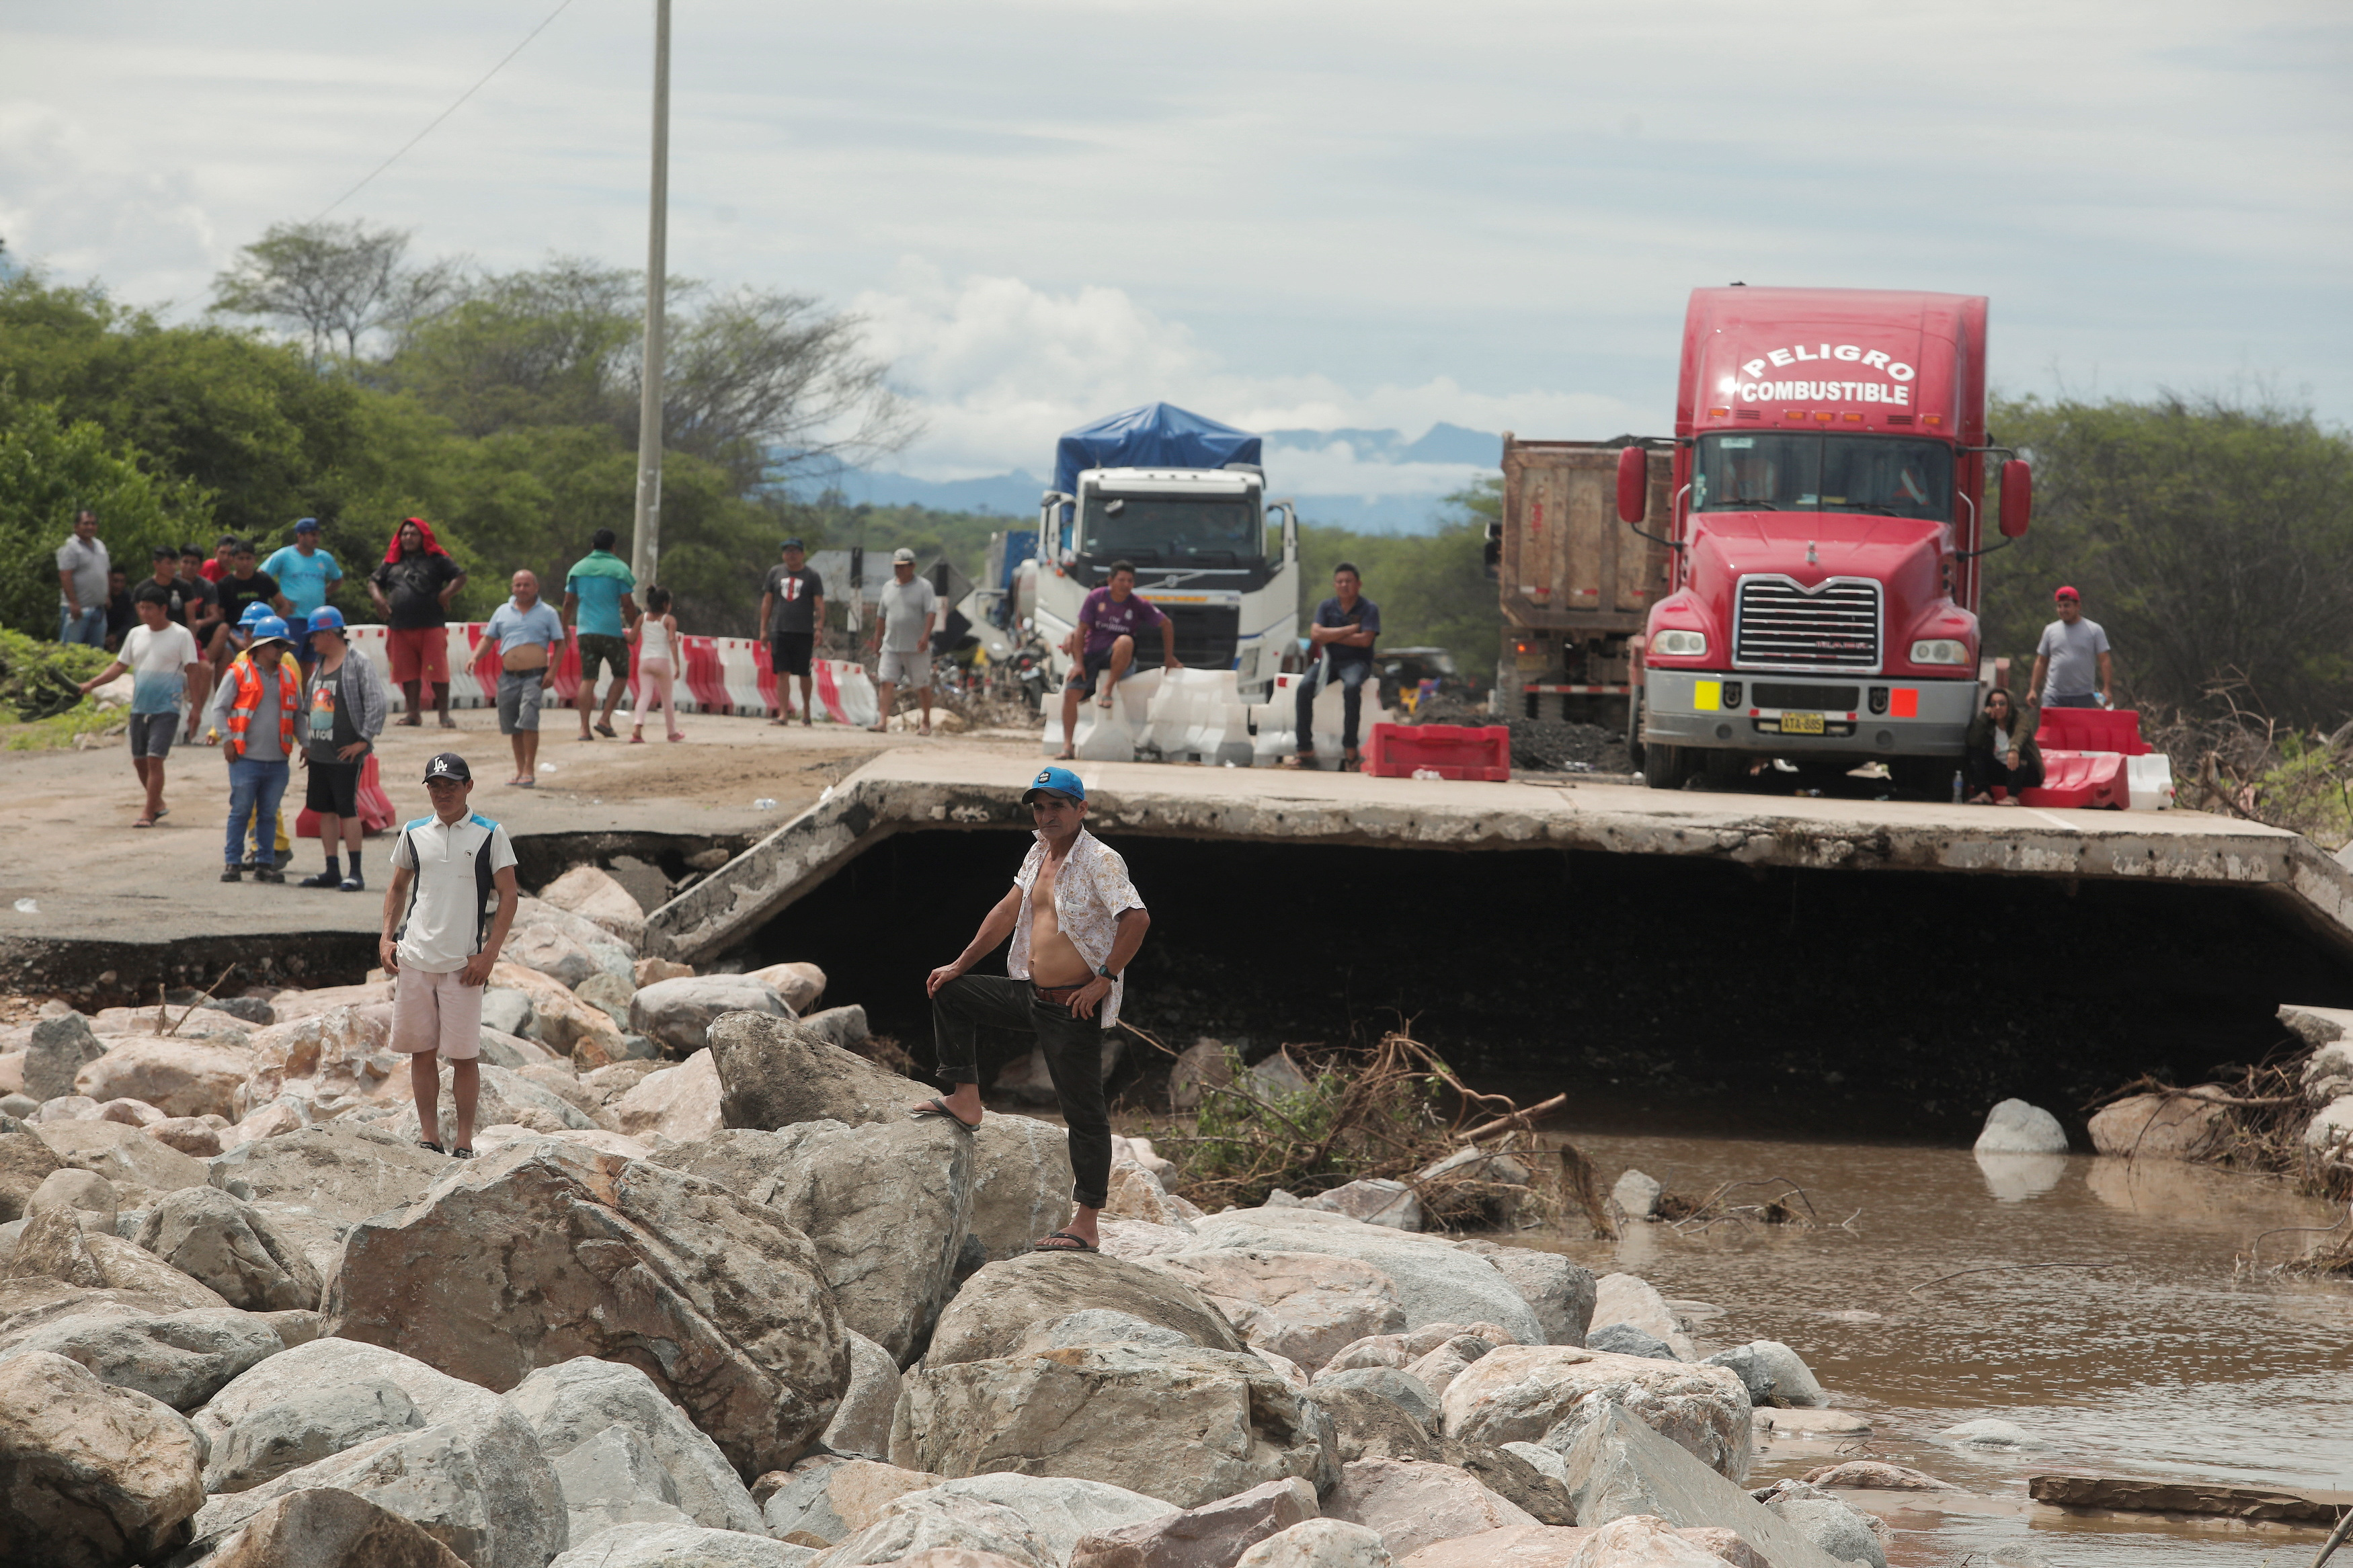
x=1157, y=436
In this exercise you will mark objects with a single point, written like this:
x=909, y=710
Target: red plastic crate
x=2094, y=779
x=2092, y=729
x=1452, y=751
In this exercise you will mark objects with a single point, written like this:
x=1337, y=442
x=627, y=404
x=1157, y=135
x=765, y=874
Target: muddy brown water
x=2163, y=1364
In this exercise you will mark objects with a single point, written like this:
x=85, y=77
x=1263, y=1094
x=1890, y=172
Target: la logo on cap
x=1046, y=777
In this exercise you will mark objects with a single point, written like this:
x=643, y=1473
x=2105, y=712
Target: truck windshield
x=1165, y=530
x=1888, y=476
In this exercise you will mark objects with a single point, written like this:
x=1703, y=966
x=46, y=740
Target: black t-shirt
x=413, y=584
x=195, y=599
x=237, y=593
x=797, y=593
x=176, y=597
x=120, y=617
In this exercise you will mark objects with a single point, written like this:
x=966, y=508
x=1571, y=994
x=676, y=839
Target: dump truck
x=1183, y=498
x=1826, y=534
x=1575, y=585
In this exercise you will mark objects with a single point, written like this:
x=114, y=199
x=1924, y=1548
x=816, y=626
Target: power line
x=445, y=114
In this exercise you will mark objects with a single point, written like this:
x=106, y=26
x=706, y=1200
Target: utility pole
x=645, y=553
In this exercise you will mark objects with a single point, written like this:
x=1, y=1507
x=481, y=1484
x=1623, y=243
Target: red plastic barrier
x=2114, y=730
x=1452, y=751
x=704, y=677
x=2095, y=779
x=375, y=806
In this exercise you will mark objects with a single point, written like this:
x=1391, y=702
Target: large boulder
x=800, y=984
x=1001, y=1304
x=1631, y=1299
x=506, y=1096
x=1367, y=1425
x=563, y=1022
x=543, y=1252
x=123, y=1155
x=25, y=1162
x=1183, y=1424
x=681, y=1103
x=861, y=1427
x=677, y=1014
x=1551, y=1394
x=307, y=1426
x=55, y=1053
x=1844, y=1533
x=54, y=1246
x=1021, y=1182
x=1319, y=1543
x=329, y=1058
x=1303, y=1306
x=344, y=1169
x=232, y=1247
x=1059, y=1510
x=774, y=1073
x=475, y=1482
x=832, y=1498
x=945, y=1531
x=339, y=1363
x=887, y=1206
x=574, y=1401
x=90, y=1196
x=615, y=1478
x=595, y=894
x=182, y=1358
x=2162, y=1126
x=2014, y=1127
x=288, y=1005
x=1561, y=1293
x=1412, y=1504
x=179, y=1077
x=326, y=1527
x=1619, y=1467
x=688, y=1546
x=1437, y=1281
x=92, y=1476
x=1210, y=1536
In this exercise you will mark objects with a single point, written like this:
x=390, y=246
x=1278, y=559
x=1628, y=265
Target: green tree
x=1432, y=589
x=2209, y=537
x=50, y=469
x=331, y=281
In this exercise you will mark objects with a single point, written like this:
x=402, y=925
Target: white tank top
x=653, y=640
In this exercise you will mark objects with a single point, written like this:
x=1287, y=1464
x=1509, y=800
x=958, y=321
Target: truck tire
x=1724, y=770
x=1667, y=767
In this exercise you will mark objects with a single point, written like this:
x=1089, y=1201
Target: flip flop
x=1078, y=1244
x=606, y=731
x=144, y=822
x=436, y=1148
x=163, y=812
x=937, y=1105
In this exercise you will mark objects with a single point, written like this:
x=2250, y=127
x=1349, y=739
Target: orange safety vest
x=248, y=698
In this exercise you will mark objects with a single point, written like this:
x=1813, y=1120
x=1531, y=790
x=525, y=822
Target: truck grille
x=1779, y=625
x=1207, y=636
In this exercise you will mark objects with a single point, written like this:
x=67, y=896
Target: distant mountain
x=1367, y=508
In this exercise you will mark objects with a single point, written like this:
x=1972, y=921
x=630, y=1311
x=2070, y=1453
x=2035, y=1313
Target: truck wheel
x=1667, y=767
x=1724, y=770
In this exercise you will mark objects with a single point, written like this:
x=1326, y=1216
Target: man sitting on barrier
x=1341, y=640
x=1103, y=645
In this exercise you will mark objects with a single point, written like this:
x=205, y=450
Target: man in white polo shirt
x=439, y=941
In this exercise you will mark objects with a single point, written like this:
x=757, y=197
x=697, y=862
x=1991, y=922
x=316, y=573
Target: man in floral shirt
x=1076, y=922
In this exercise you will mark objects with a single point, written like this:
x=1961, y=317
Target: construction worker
x=254, y=711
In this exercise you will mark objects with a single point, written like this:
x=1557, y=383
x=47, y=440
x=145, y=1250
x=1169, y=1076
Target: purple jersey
x=1109, y=619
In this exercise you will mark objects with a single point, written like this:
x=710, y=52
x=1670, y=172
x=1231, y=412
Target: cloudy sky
x=1281, y=215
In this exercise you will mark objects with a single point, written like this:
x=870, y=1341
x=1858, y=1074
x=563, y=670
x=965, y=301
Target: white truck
x=1182, y=498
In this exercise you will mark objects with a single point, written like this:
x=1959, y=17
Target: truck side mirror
x=2017, y=497
x=1634, y=484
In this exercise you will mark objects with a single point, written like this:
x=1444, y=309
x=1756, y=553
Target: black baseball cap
x=449, y=765
x=792, y=544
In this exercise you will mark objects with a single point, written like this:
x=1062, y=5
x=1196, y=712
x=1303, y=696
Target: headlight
x=1939, y=650
x=1681, y=644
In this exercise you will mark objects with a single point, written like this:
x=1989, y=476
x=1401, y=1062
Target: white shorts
x=911, y=669
x=436, y=1012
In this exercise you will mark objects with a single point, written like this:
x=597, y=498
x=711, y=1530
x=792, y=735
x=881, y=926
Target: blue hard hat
x=1062, y=781
x=254, y=612
x=326, y=618
x=269, y=628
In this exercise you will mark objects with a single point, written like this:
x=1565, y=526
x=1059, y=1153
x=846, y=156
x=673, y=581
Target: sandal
x=677, y=734
x=144, y=822
x=635, y=739
x=436, y=1148
x=1077, y=1244
x=607, y=730
x=938, y=1106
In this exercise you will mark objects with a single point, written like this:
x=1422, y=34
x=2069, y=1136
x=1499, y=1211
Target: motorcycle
x=1029, y=671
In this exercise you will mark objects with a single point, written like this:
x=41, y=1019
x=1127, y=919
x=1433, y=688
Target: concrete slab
x=919, y=789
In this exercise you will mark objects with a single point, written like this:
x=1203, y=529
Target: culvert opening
x=1662, y=995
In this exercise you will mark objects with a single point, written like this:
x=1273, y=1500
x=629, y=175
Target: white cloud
x=1000, y=368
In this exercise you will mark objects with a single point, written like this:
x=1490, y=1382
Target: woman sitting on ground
x=2000, y=750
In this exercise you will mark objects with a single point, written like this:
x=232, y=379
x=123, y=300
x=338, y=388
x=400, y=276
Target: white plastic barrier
x=2148, y=781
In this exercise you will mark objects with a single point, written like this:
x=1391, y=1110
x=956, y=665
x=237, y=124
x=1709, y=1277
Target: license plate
x=1801, y=724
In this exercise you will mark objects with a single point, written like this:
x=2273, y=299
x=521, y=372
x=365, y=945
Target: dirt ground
x=67, y=843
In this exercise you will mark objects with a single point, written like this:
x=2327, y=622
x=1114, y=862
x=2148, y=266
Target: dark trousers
x=1980, y=771
x=2086, y=700
x=1073, y=1049
x=1351, y=677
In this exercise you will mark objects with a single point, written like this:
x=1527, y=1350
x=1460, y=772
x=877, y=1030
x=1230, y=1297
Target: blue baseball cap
x=1061, y=781
x=326, y=618
x=307, y=525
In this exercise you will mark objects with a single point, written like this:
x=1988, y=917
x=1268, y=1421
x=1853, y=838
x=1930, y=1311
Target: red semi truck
x=1827, y=534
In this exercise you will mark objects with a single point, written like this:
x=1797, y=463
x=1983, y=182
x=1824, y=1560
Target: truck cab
x=1209, y=552
x=1826, y=531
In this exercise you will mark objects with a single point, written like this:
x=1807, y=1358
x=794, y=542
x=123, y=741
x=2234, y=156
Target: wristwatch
x=1104, y=969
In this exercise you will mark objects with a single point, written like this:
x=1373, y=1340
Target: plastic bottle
x=1956, y=786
